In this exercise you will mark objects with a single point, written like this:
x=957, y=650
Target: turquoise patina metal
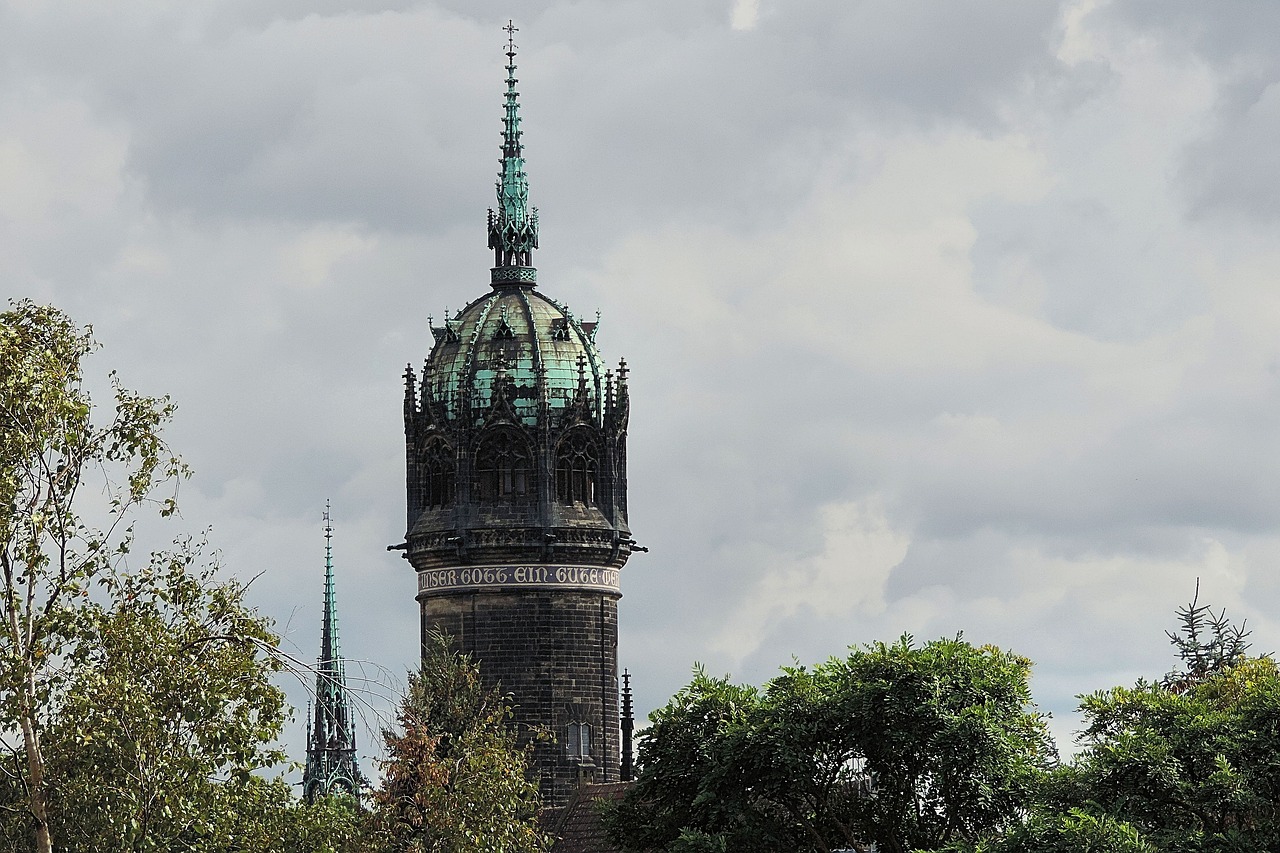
x=514, y=348
x=513, y=351
x=513, y=227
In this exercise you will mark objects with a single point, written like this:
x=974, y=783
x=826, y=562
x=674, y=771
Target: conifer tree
x=1207, y=643
x=455, y=780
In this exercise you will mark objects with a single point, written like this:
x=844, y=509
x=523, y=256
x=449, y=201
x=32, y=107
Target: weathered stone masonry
x=557, y=653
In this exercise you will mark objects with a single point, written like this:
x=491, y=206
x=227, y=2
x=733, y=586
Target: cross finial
x=511, y=29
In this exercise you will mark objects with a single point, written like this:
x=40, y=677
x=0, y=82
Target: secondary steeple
x=513, y=226
x=331, y=738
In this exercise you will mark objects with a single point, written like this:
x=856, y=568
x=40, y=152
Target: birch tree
x=70, y=486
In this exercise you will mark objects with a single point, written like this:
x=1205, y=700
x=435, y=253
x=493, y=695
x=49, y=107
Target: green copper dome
x=517, y=341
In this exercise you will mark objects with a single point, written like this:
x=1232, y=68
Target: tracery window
x=504, y=467
x=439, y=475
x=577, y=468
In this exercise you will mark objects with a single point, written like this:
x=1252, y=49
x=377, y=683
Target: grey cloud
x=357, y=114
x=957, y=60
x=1236, y=169
x=1222, y=33
x=1066, y=384
x=1231, y=170
x=737, y=124
x=273, y=121
x=1111, y=277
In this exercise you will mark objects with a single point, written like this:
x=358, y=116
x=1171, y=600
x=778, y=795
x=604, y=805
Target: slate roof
x=578, y=829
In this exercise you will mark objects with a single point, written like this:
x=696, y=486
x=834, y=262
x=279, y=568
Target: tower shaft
x=516, y=487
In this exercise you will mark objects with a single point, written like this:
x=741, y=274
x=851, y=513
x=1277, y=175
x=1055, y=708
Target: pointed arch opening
x=504, y=468
x=578, y=468
x=438, y=466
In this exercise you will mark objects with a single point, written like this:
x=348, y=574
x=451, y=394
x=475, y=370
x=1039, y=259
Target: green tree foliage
x=135, y=705
x=50, y=449
x=455, y=779
x=169, y=699
x=1207, y=643
x=1074, y=831
x=265, y=815
x=1196, y=770
x=1188, y=764
x=167, y=712
x=900, y=745
x=677, y=801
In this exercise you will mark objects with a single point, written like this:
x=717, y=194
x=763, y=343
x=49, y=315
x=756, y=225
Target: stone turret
x=516, y=484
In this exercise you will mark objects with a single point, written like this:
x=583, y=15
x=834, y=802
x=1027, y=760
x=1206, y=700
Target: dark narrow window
x=578, y=743
x=577, y=466
x=439, y=475
x=504, y=468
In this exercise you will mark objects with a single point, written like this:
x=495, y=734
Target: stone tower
x=331, y=735
x=517, y=494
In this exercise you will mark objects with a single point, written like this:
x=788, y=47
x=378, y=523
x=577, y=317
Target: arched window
x=578, y=743
x=504, y=468
x=577, y=468
x=438, y=468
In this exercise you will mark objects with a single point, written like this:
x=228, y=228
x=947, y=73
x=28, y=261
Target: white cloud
x=746, y=14
x=846, y=580
x=309, y=259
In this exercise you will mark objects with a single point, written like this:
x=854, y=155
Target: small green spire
x=331, y=739
x=513, y=227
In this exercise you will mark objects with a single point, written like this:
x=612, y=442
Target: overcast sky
x=943, y=316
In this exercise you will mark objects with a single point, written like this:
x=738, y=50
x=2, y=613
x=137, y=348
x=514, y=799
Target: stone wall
x=555, y=651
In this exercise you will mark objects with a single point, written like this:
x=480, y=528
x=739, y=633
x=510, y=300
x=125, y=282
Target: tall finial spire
x=331, y=739
x=513, y=226
x=329, y=645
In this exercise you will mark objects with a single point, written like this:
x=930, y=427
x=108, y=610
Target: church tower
x=517, y=493
x=331, y=735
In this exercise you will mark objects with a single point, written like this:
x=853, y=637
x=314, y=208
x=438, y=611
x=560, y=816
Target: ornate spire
x=329, y=650
x=331, y=738
x=513, y=227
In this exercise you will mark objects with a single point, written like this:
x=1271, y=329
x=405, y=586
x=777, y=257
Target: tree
x=167, y=712
x=50, y=447
x=165, y=715
x=455, y=780
x=899, y=745
x=1074, y=831
x=168, y=697
x=136, y=705
x=1193, y=770
x=676, y=802
x=264, y=814
x=1192, y=763
x=1207, y=643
